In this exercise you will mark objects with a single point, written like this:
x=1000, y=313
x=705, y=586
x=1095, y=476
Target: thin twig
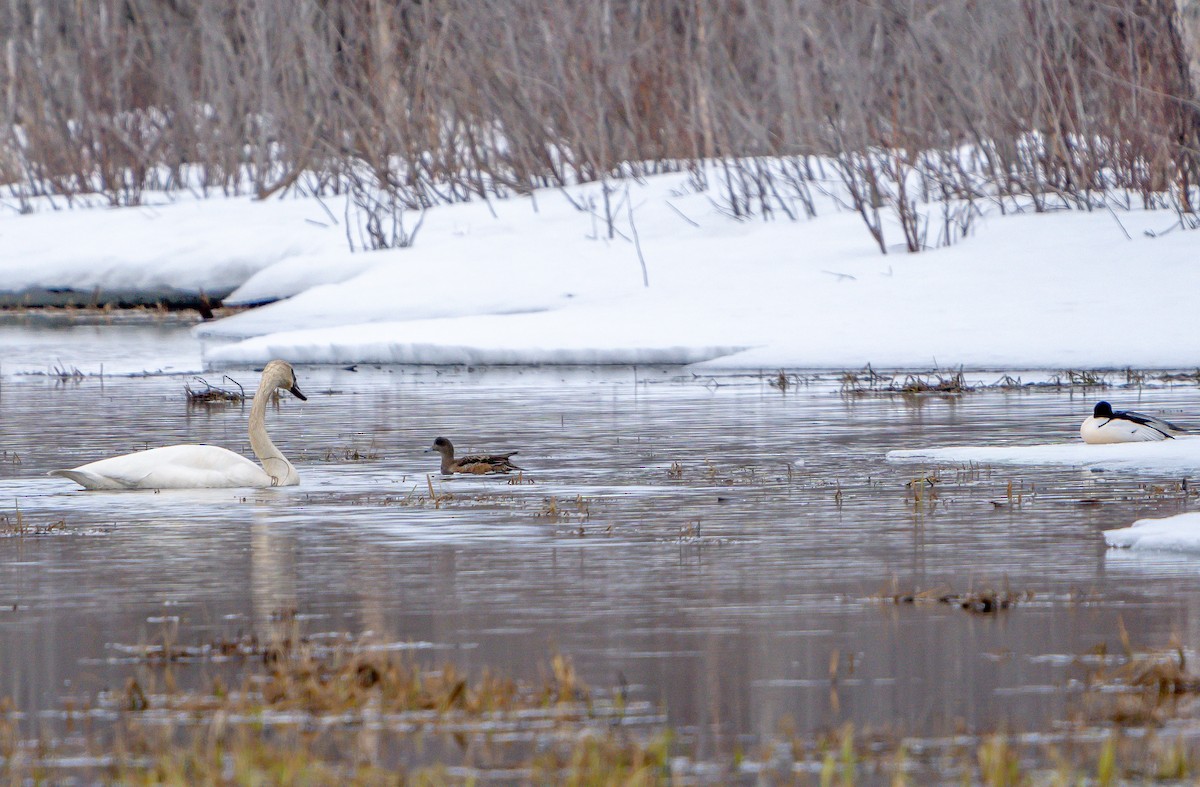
x=680, y=214
x=637, y=244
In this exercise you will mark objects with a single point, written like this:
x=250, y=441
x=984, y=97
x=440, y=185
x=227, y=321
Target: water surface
x=713, y=543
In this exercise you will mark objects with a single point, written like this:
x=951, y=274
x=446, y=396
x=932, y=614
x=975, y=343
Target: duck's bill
x=295, y=391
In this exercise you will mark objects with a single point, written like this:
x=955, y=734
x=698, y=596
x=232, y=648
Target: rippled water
x=730, y=586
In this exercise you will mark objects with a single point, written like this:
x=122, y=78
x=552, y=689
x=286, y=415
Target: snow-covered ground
x=1179, y=533
x=537, y=280
x=1168, y=456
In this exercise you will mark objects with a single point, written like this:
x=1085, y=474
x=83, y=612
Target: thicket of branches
x=411, y=103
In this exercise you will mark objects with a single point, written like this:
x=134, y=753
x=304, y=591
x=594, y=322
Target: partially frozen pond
x=714, y=543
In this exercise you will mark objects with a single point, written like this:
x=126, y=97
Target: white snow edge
x=1179, y=533
x=1179, y=455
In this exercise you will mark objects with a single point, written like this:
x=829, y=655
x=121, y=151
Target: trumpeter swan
x=202, y=466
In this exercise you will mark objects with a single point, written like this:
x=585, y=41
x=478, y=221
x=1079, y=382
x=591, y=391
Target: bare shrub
x=924, y=111
x=376, y=213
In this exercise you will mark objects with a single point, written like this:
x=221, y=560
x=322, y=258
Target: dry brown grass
x=1148, y=688
x=205, y=393
x=985, y=601
x=341, y=710
x=290, y=709
x=352, y=454
x=17, y=524
x=870, y=382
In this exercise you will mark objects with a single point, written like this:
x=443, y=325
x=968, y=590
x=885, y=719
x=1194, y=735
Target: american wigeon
x=477, y=464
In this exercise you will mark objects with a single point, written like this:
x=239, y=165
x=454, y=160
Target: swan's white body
x=201, y=466
x=1106, y=425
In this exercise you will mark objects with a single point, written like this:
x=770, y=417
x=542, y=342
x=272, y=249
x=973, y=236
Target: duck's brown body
x=476, y=464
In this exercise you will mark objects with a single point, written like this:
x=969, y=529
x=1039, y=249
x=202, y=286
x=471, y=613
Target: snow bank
x=545, y=279
x=185, y=243
x=515, y=339
x=298, y=273
x=1169, y=456
x=1179, y=533
x=548, y=285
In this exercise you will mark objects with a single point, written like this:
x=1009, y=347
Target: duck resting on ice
x=1107, y=425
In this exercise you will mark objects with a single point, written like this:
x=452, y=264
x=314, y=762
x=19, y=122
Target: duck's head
x=442, y=446
x=284, y=376
x=1103, y=410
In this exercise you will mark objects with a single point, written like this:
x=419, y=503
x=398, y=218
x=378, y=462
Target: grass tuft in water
x=435, y=497
x=67, y=374
x=352, y=454
x=986, y=601
x=205, y=393
x=782, y=381
x=17, y=525
x=870, y=382
x=1081, y=378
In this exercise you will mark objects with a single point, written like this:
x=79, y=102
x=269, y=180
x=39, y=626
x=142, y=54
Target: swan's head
x=1103, y=410
x=443, y=447
x=283, y=375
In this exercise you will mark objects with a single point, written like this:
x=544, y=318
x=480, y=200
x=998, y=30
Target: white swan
x=202, y=466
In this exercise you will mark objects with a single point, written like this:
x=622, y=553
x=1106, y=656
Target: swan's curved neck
x=277, y=466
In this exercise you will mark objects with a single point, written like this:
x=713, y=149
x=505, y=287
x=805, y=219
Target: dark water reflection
x=727, y=593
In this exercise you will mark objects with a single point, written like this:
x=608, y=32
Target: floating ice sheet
x=1178, y=456
x=1179, y=533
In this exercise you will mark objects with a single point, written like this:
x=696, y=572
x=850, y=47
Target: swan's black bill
x=295, y=391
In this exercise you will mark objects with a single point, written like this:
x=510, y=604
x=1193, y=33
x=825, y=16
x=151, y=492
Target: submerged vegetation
x=295, y=708
x=912, y=116
x=869, y=381
x=316, y=710
x=984, y=601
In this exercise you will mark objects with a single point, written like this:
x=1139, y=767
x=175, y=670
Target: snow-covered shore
x=537, y=280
